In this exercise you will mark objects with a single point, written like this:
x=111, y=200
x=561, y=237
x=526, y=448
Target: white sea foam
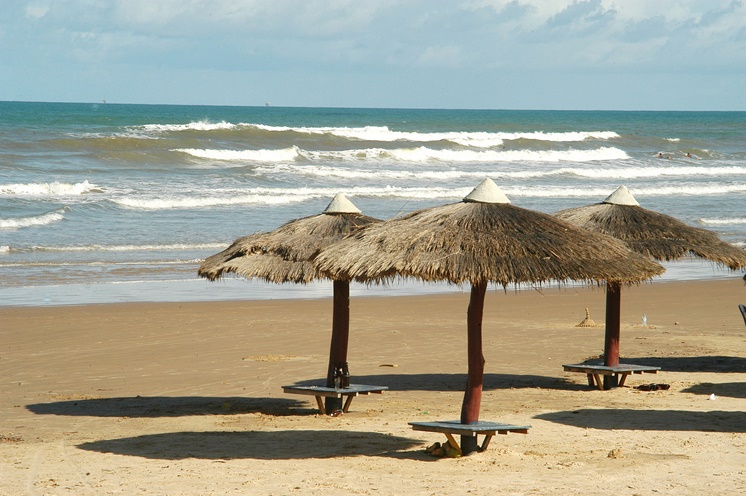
x=561, y=137
x=452, y=173
x=4, y=249
x=104, y=263
x=723, y=222
x=283, y=155
x=692, y=190
x=277, y=197
x=474, y=139
x=270, y=196
x=639, y=192
x=49, y=189
x=385, y=134
x=423, y=154
x=648, y=172
x=600, y=193
x=192, y=126
x=412, y=155
x=465, y=138
x=33, y=221
x=130, y=248
x=373, y=174
x=285, y=196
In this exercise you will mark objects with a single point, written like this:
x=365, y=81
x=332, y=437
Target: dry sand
x=186, y=399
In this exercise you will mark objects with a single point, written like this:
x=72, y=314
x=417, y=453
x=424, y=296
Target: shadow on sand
x=183, y=406
x=273, y=445
x=165, y=406
x=688, y=364
x=727, y=389
x=650, y=420
x=457, y=382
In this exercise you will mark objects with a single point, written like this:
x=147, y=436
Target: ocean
x=104, y=202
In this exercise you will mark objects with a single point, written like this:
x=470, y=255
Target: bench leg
x=347, y=403
x=486, y=442
x=453, y=443
x=591, y=382
x=320, y=403
x=624, y=378
x=599, y=382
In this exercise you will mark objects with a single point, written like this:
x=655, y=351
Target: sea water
x=109, y=202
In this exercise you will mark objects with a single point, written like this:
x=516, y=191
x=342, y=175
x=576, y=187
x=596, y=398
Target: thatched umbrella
x=283, y=255
x=652, y=234
x=482, y=239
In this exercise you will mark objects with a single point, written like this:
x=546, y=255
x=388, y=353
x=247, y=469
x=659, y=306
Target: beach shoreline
x=234, y=288
x=185, y=398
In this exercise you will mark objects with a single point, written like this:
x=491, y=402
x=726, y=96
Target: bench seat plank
x=595, y=371
x=320, y=392
x=353, y=390
x=622, y=368
x=451, y=427
x=456, y=427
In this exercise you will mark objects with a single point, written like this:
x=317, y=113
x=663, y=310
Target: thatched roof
x=653, y=234
x=283, y=255
x=482, y=239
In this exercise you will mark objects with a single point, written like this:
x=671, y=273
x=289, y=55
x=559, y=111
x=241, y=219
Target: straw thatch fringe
x=653, y=234
x=283, y=255
x=478, y=242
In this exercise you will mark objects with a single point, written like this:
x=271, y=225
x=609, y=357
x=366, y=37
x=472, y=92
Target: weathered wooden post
x=613, y=324
x=340, y=338
x=473, y=395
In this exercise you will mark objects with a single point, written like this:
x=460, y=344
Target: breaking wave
x=285, y=196
x=49, y=189
x=479, y=139
x=411, y=155
x=723, y=222
x=283, y=155
x=219, y=200
x=192, y=126
x=129, y=248
x=451, y=173
x=476, y=139
x=32, y=221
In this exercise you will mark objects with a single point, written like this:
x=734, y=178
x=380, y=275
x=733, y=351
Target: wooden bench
x=321, y=392
x=451, y=427
x=621, y=371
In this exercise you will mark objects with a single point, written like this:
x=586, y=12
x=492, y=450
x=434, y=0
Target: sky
x=471, y=54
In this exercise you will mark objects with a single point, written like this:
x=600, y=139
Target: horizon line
x=475, y=109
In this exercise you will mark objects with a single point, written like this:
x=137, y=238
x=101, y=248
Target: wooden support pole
x=473, y=394
x=613, y=325
x=340, y=339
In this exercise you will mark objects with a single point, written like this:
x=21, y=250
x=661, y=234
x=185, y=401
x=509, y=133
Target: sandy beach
x=186, y=398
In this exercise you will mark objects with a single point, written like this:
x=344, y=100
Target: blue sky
x=499, y=54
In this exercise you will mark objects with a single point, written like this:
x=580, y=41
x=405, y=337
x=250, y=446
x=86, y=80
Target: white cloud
x=442, y=56
x=36, y=11
x=620, y=35
x=312, y=17
x=462, y=42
